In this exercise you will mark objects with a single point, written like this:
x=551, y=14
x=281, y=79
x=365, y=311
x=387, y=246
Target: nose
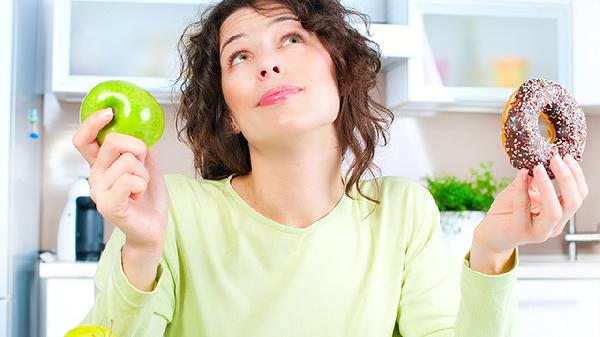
x=266, y=73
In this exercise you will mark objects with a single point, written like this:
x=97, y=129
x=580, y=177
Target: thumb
x=151, y=163
x=521, y=201
x=156, y=185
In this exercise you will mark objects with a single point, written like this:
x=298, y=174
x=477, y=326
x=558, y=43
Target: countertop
x=530, y=267
x=558, y=267
x=67, y=269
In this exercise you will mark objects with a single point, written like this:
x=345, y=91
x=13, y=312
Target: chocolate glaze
x=523, y=142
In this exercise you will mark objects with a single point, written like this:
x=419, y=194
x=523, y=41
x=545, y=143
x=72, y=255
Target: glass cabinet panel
x=128, y=39
x=479, y=51
x=492, y=51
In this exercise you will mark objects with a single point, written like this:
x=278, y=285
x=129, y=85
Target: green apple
x=89, y=331
x=136, y=111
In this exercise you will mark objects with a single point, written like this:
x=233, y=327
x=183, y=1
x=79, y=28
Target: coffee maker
x=81, y=227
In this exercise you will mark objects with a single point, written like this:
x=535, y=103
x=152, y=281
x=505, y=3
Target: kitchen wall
x=448, y=143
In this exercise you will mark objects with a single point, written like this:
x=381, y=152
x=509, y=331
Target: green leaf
x=476, y=193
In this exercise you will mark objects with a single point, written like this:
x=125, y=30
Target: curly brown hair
x=361, y=123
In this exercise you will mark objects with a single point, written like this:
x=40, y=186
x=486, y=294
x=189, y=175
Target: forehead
x=247, y=18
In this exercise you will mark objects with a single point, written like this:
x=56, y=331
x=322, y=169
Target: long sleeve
x=134, y=313
x=437, y=300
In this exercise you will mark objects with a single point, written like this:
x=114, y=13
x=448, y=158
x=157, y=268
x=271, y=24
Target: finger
x=533, y=189
x=521, y=202
x=115, y=144
x=156, y=185
x=558, y=229
x=85, y=137
x=534, y=196
x=551, y=211
x=115, y=201
x=577, y=172
x=126, y=163
x=561, y=225
x=571, y=198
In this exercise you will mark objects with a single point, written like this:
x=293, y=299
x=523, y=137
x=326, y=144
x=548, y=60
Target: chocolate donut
x=523, y=141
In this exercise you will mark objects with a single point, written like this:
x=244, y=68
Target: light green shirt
x=229, y=271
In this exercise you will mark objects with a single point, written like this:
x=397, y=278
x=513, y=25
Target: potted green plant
x=463, y=203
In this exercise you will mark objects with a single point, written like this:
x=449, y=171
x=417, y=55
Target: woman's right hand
x=125, y=183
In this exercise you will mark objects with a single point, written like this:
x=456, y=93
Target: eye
x=293, y=38
x=237, y=57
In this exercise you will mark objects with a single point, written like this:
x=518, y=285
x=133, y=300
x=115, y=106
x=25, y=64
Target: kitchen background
x=449, y=67
x=445, y=143
x=476, y=51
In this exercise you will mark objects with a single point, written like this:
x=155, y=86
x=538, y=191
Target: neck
x=295, y=187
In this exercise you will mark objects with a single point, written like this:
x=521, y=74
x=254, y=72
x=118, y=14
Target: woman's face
x=259, y=53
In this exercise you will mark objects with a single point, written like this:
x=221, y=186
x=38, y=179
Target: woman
x=273, y=241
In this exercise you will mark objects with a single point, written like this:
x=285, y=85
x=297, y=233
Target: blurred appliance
x=81, y=227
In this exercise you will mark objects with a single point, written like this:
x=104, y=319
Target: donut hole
x=546, y=127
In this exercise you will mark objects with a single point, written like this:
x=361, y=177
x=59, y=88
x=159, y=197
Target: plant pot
x=458, y=227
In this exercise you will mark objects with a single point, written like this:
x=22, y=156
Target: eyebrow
x=237, y=36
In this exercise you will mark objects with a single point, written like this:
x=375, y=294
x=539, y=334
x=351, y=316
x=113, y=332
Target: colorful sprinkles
x=523, y=141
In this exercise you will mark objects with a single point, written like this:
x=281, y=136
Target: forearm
x=491, y=263
x=140, y=265
x=117, y=299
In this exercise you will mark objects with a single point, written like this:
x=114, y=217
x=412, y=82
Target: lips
x=278, y=94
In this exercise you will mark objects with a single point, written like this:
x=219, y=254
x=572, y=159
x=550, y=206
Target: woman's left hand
x=527, y=211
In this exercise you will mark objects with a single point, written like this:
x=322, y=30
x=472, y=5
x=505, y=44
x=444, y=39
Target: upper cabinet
x=473, y=54
x=586, y=54
x=437, y=55
x=94, y=41
x=136, y=40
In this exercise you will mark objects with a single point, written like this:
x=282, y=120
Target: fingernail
x=539, y=171
x=105, y=113
x=559, y=162
x=569, y=159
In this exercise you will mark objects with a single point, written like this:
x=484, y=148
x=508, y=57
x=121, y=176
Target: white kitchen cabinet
x=557, y=298
x=558, y=308
x=136, y=40
x=133, y=40
x=472, y=54
x=586, y=54
x=66, y=296
x=376, y=9
x=3, y=320
x=382, y=11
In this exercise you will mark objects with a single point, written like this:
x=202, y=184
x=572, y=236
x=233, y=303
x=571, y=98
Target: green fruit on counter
x=136, y=111
x=89, y=331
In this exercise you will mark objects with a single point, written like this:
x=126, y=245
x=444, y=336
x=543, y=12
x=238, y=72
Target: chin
x=304, y=121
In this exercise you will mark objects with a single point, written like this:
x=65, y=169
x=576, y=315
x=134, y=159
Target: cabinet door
x=586, y=54
x=65, y=303
x=3, y=318
x=479, y=51
x=558, y=308
x=119, y=39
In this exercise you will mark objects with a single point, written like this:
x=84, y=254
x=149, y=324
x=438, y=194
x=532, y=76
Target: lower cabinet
x=559, y=308
x=64, y=304
x=547, y=307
